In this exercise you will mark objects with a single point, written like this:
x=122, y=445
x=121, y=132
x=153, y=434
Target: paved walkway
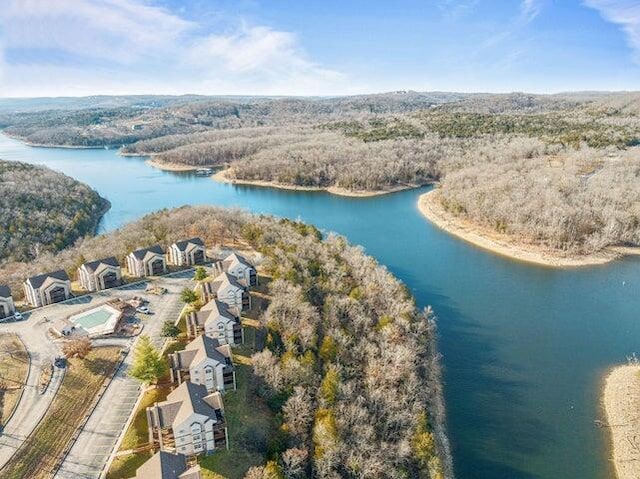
x=97, y=440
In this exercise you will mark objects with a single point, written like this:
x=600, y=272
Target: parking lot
x=92, y=449
x=98, y=439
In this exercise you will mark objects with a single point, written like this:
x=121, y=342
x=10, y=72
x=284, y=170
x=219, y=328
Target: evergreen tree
x=188, y=296
x=148, y=364
x=170, y=330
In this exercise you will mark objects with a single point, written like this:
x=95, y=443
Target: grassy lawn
x=251, y=425
x=259, y=302
x=40, y=452
x=182, y=325
x=124, y=467
x=250, y=422
x=175, y=345
x=138, y=433
x=14, y=368
x=263, y=284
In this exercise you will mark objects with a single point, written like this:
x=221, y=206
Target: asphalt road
x=32, y=405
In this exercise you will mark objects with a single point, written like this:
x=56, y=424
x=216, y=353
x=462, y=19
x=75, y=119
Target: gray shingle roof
x=186, y=399
x=37, y=281
x=141, y=253
x=200, y=348
x=182, y=245
x=91, y=266
x=218, y=308
x=163, y=465
x=211, y=311
x=5, y=291
x=235, y=258
x=223, y=279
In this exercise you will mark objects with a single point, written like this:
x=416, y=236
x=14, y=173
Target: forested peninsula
x=43, y=211
x=557, y=175
x=349, y=369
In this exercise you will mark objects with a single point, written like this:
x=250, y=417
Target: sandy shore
x=222, y=176
x=161, y=165
x=621, y=401
x=430, y=206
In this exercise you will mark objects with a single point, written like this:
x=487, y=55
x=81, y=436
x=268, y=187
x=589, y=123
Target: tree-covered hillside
x=350, y=369
x=43, y=210
x=493, y=154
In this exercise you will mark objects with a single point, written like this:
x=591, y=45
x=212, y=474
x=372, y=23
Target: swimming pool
x=97, y=321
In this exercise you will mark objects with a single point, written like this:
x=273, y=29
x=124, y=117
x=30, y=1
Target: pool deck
x=101, y=320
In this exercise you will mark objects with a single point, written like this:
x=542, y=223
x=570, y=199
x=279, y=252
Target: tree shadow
x=492, y=429
x=99, y=366
x=490, y=426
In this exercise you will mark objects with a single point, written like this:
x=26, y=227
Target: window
x=196, y=429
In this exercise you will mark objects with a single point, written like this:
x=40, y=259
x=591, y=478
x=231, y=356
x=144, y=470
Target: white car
x=18, y=316
x=143, y=310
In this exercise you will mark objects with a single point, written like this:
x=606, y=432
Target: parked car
x=18, y=316
x=60, y=362
x=143, y=310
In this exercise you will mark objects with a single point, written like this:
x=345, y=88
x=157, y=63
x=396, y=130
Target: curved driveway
x=32, y=405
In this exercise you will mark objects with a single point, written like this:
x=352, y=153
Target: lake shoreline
x=63, y=147
x=166, y=166
x=505, y=245
x=222, y=177
x=106, y=206
x=621, y=402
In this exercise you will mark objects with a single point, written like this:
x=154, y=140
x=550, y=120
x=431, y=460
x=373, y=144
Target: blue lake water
x=524, y=347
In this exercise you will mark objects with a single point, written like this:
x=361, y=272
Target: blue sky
x=293, y=47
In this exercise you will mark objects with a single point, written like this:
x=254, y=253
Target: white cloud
x=262, y=58
x=456, y=9
x=3, y=66
x=626, y=14
x=126, y=46
x=117, y=30
x=248, y=49
x=530, y=9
